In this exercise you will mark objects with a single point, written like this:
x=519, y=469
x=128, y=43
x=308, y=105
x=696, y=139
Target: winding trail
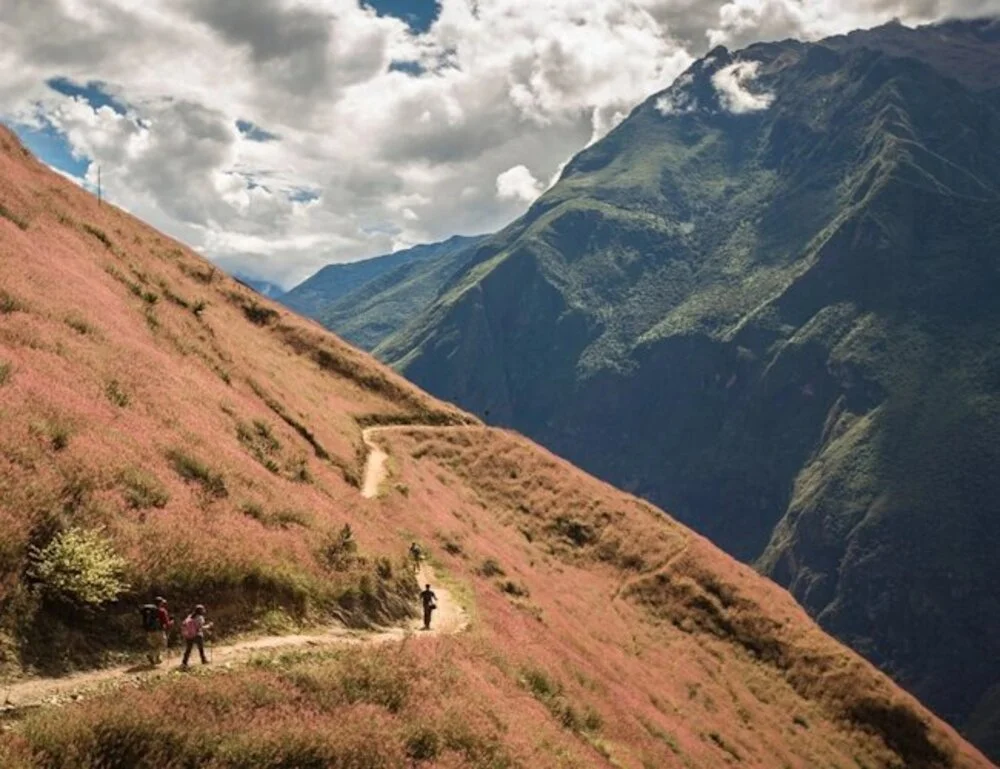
x=449, y=619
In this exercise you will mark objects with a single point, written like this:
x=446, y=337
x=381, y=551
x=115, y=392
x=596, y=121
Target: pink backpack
x=189, y=628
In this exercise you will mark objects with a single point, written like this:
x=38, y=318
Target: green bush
x=80, y=566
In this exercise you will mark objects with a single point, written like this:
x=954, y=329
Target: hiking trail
x=449, y=619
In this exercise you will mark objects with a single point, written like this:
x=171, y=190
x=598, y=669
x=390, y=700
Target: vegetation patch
x=80, y=324
x=142, y=489
x=550, y=693
x=490, y=568
x=10, y=303
x=6, y=370
x=258, y=438
x=115, y=393
x=56, y=430
x=260, y=315
x=79, y=566
x=193, y=470
x=98, y=234
x=10, y=216
x=279, y=519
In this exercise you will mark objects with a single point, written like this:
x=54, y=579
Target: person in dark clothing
x=193, y=629
x=429, y=601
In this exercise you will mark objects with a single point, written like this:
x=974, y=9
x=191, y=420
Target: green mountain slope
x=768, y=302
x=370, y=300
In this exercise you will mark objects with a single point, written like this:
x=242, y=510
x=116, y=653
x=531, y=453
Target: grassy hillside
x=778, y=321
x=210, y=444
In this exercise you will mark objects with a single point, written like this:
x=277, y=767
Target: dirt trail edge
x=449, y=619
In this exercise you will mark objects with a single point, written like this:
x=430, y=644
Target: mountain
x=169, y=431
x=767, y=301
x=263, y=287
x=370, y=300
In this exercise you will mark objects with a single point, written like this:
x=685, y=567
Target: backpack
x=150, y=620
x=189, y=628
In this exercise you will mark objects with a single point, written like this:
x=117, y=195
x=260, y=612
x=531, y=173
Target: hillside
x=371, y=300
x=767, y=302
x=211, y=445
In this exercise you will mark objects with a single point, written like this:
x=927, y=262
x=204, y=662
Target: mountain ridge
x=775, y=278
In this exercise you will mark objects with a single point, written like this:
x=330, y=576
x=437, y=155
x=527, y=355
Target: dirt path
x=449, y=619
x=375, y=466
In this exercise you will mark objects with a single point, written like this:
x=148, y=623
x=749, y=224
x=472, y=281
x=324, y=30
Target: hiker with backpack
x=429, y=601
x=193, y=631
x=417, y=555
x=156, y=621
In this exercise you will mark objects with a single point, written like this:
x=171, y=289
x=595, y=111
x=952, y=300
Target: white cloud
x=678, y=100
x=517, y=183
x=395, y=158
x=731, y=84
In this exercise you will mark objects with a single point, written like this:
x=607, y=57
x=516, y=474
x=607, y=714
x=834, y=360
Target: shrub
x=199, y=307
x=79, y=566
x=516, y=589
x=143, y=490
x=193, y=470
x=9, y=303
x=6, y=369
x=282, y=519
x=79, y=324
x=260, y=315
x=9, y=215
x=114, y=392
x=97, y=233
x=491, y=568
x=57, y=431
x=339, y=552
x=259, y=440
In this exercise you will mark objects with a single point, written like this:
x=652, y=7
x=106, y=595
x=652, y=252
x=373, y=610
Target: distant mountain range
x=768, y=301
x=369, y=300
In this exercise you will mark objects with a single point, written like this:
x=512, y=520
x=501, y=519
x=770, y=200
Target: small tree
x=340, y=550
x=80, y=566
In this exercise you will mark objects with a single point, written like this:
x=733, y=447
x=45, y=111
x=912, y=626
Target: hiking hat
x=160, y=599
x=199, y=609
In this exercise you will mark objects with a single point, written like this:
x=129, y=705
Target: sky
x=277, y=136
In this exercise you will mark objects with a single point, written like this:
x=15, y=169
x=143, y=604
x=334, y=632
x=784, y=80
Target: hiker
x=429, y=600
x=417, y=555
x=156, y=621
x=193, y=630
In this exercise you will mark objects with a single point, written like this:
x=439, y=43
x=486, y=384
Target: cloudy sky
x=277, y=136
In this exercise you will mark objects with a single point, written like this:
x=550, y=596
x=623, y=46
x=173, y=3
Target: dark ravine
x=780, y=324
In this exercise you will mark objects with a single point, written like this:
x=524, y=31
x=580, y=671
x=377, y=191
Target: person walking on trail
x=429, y=601
x=156, y=621
x=193, y=630
x=417, y=555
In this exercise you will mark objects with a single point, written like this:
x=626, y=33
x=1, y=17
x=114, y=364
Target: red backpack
x=189, y=628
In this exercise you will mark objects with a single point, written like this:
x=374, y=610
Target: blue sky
x=419, y=14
